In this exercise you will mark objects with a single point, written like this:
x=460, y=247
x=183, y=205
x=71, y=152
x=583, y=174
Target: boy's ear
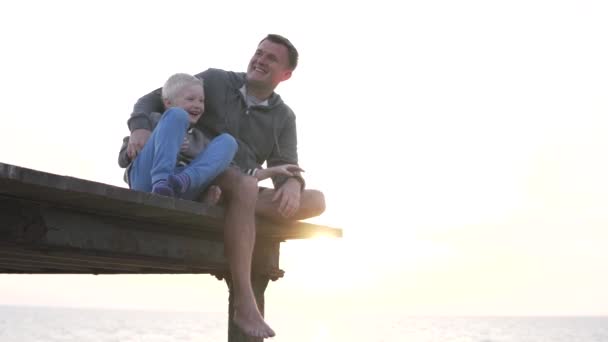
x=167, y=103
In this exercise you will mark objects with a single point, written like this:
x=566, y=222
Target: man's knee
x=235, y=184
x=314, y=202
x=248, y=185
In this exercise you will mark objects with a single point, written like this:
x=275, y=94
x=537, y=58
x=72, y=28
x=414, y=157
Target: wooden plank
x=57, y=224
x=18, y=258
x=107, y=201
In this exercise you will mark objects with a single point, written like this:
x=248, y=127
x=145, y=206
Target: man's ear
x=286, y=75
x=167, y=103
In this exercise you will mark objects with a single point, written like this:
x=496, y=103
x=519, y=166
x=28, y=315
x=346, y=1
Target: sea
x=47, y=324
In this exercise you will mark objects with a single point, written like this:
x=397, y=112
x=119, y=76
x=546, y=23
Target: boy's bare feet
x=212, y=195
x=251, y=322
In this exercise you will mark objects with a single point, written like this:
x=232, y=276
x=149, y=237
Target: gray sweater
x=264, y=133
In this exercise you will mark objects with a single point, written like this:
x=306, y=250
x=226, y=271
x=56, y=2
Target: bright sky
x=461, y=145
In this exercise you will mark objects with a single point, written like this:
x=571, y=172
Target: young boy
x=178, y=160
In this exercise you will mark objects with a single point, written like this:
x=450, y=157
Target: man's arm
x=140, y=124
x=286, y=152
x=287, y=188
x=140, y=118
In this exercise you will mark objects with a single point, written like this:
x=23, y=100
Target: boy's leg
x=156, y=161
x=214, y=159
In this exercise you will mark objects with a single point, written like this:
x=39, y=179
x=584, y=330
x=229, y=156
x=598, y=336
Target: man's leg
x=312, y=203
x=239, y=239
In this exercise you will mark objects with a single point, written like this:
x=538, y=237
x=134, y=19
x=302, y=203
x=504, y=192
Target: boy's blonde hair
x=177, y=82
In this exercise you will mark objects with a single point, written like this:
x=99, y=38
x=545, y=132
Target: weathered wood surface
x=58, y=224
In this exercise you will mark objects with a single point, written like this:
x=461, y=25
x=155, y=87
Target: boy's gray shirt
x=263, y=133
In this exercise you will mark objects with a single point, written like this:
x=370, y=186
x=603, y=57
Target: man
x=246, y=106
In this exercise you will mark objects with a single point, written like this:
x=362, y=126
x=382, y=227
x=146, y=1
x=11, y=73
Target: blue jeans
x=158, y=159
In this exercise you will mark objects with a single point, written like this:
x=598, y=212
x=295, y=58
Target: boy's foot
x=212, y=195
x=179, y=182
x=163, y=188
x=252, y=323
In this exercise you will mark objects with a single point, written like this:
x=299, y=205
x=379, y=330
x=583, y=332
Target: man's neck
x=259, y=93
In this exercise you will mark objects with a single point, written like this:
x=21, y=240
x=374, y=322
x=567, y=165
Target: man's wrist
x=297, y=180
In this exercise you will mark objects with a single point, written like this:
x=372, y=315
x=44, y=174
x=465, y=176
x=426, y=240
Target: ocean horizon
x=62, y=324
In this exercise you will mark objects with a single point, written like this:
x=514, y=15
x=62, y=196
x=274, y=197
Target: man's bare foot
x=252, y=323
x=212, y=195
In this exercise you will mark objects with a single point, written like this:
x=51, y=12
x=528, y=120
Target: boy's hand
x=284, y=170
x=137, y=140
x=279, y=170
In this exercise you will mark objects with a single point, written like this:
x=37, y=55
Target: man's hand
x=137, y=140
x=185, y=145
x=288, y=196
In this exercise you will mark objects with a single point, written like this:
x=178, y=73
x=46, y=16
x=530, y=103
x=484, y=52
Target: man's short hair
x=177, y=82
x=292, y=53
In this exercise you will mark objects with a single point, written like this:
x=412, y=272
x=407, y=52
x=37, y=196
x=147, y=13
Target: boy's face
x=191, y=99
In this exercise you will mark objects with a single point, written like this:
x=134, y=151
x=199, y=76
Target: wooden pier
x=52, y=224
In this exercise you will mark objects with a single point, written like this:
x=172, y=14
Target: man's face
x=191, y=99
x=269, y=66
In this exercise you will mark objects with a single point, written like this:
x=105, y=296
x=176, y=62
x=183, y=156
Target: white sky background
x=461, y=144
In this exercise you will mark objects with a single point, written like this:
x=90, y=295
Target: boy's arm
x=288, y=170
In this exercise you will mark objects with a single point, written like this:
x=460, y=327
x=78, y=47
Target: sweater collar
x=252, y=100
x=241, y=81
